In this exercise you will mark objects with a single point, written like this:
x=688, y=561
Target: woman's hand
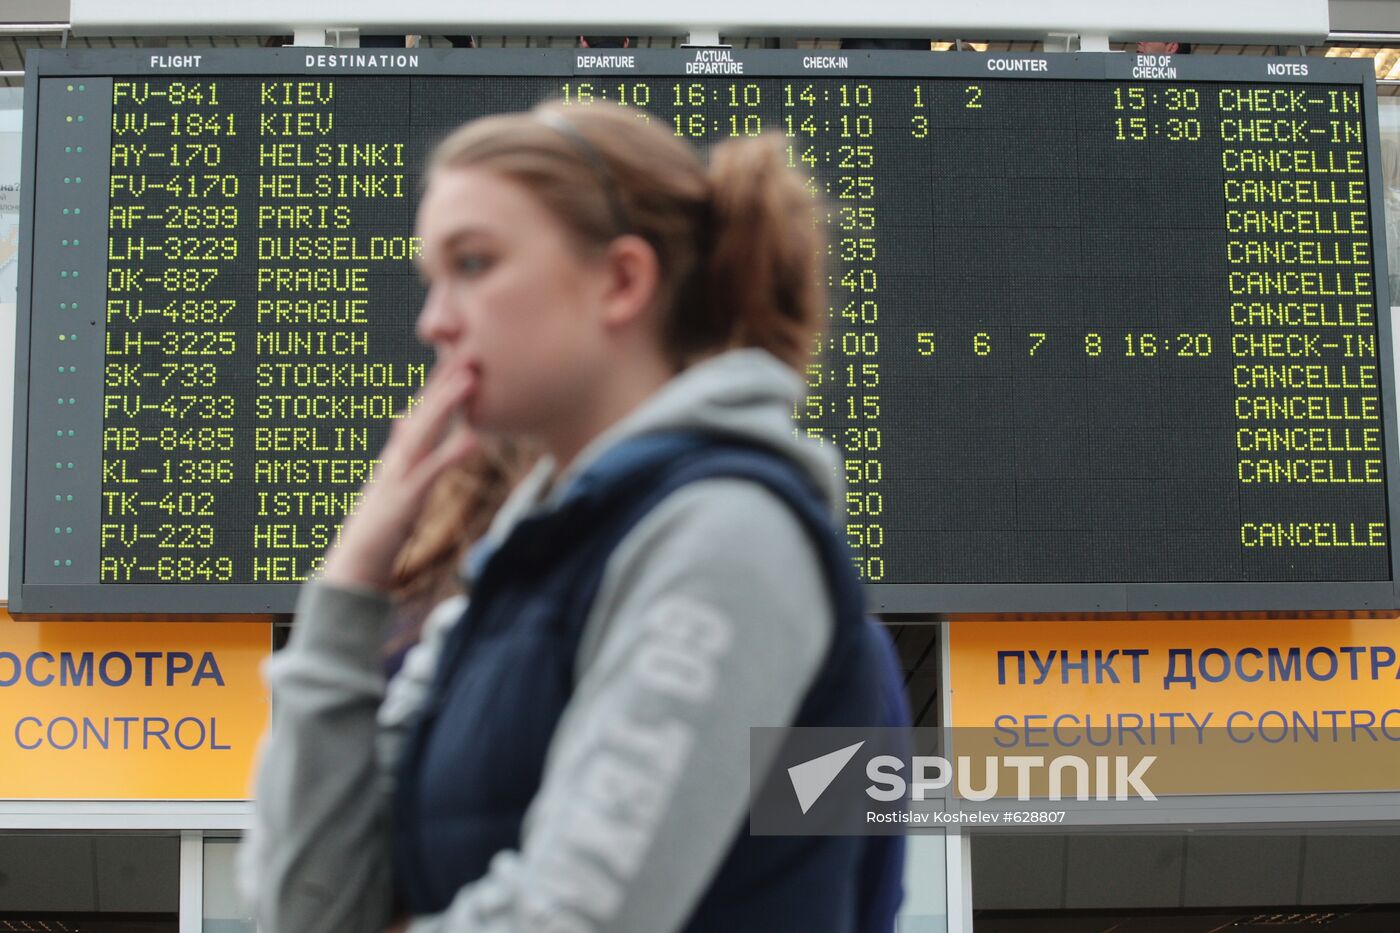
x=419, y=448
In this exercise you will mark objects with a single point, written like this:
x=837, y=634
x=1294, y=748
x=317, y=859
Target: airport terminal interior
x=1109, y=378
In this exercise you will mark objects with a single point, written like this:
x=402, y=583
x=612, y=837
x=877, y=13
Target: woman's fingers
x=423, y=430
x=421, y=445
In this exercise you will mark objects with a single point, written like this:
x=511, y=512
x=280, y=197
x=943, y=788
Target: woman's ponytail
x=765, y=270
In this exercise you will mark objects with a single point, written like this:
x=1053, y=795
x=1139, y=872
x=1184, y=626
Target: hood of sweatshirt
x=745, y=394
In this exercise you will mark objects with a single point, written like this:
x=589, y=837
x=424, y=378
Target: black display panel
x=1108, y=332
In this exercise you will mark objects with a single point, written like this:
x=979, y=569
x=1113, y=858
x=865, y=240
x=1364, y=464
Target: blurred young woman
x=569, y=750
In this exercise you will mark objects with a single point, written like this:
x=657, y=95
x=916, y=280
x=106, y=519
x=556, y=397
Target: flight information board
x=1108, y=332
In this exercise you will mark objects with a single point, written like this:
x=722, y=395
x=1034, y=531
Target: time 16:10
x=623, y=93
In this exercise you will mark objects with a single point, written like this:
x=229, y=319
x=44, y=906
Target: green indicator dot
x=55, y=563
x=60, y=434
x=58, y=466
x=78, y=180
x=68, y=563
x=63, y=306
x=72, y=336
x=75, y=273
x=63, y=274
x=77, y=210
x=75, y=242
x=65, y=211
x=58, y=531
x=72, y=401
x=61, y=338
x=72, y=369
x=70, y=498
x=70, y=434
x=67, y=148
x=68, y=119
x=82, y=87
x=80, y=118
x=70, y=87
x=75, y=306
x=80, y=148
x=67, y=181
x=65, y=242
x=60, y=401
x=58, y=498
x=69, y=466
x=68, y=531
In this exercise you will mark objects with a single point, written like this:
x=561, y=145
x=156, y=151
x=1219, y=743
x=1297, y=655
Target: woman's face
x=512, y=303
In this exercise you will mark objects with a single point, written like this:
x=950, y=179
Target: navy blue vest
x=475, y=758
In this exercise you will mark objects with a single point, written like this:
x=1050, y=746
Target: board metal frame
x=1272, y=21
x=893, y=599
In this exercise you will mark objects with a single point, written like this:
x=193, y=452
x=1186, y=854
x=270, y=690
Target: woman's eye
x=471, y=264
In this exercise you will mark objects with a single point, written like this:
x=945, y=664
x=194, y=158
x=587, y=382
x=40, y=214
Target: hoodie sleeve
x=316, y=856
x=713, y=617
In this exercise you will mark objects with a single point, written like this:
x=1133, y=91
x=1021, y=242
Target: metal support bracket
x=335, y=37
x=1074, y=42
x=703, y=39
x=309, y=35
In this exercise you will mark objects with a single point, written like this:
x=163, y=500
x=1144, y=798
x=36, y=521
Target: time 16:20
x=927, y=344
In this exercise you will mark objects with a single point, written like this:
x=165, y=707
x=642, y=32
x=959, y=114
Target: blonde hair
x=737, y=243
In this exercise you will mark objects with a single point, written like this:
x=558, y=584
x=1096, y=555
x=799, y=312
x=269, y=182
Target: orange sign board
x=130, y=711
x=1225, y=706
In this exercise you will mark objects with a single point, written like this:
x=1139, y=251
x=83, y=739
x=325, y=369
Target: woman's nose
x=436, y=322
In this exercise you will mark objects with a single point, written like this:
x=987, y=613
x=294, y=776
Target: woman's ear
x=632, y=273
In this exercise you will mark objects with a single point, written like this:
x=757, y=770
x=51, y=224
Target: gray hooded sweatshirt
x=647, y=775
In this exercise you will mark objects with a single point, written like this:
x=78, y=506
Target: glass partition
x=223, y=912
x=925, y=907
